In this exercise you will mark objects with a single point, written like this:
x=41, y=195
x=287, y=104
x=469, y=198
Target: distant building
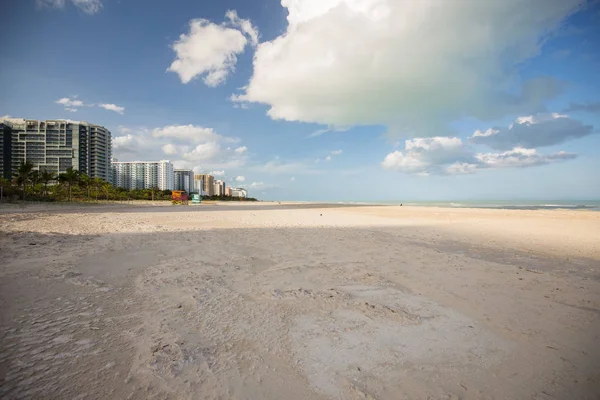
x=198, y=184
x=184, y=180
x=55, y=145
x=238, y=192
x=228, y=191
x=207, y=183
x=219, y=188
x=5, y=152
x=144, y=174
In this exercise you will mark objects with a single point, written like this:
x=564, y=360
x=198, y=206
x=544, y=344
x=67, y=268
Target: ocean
x=592, y=205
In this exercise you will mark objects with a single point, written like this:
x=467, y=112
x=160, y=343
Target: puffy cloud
x=520, y=157
x=217, y=173
x=450, y=156
x=113, y=107
x=240, y=179
x=203, y=152
x=191, y=133
x=87, y=6
x=70, y=103
x=532, y=132
x=458, y=168
x=173, y=150
x=188, y=146
x=356, y=62
x=211, y=50
x=241, y=150
x=244, y=25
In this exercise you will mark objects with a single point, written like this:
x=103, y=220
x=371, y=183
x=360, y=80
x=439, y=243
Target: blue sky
x=325, y=99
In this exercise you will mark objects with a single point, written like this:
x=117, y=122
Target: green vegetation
x=72, y=185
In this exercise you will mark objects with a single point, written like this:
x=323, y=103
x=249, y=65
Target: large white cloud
x=188, y=146
x=450, y=156
x=191, y=133
x=533, y=131
x=211, y=50
x=520, y=158
x=412, y=65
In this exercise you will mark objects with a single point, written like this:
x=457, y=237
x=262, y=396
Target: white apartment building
x=55, y=145
x=238, y=192
x=184, y=180
x=219, y=188
x=144, y=174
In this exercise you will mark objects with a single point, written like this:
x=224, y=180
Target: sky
x=331, y=100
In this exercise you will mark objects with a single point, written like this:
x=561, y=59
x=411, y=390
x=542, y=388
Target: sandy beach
x=298, y=301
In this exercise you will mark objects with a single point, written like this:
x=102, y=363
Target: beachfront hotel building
x=219, y=188
x=238, y=192
x=55, y=145
x=144, y=174
x=184, y=180
x=207, y=187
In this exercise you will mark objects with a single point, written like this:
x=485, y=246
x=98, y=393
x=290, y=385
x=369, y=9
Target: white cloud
x=188, y=146
x=358, y=62
x=174, y=150
x=87, y=6
x=69, y=102
x=293, y=179
x=191, y=133
x=449, y=155
x=113, y=107
x=458, y=168
x=259, y=186
x=244, y=25
x=203, y=152
x=72, y=104
x=533, y=131
x=211, y=50
x=217, y=173
x=520, y=157
x=241, y=150
x=240, y=179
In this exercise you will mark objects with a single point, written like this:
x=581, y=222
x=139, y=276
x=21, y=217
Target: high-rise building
x=184, y=180
x=198, y=184
x=5, y=152
x=144, y=174
x=207, y=182
x=219, y=188
x=55, y=145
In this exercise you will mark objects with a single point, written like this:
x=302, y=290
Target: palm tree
x=23, y=175
x=70, y=176
x=106, y=188
x=97, y=183
x=46, y=177
x=86, y=181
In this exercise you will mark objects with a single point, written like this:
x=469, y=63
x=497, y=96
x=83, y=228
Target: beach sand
x=298, y=301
